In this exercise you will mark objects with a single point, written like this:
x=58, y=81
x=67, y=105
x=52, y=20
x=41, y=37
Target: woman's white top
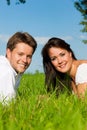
x=9, y=80
x=81, y=74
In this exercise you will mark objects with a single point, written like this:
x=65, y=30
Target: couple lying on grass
x=61, y=68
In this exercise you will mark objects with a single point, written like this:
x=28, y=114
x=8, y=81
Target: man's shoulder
x=3, y=59
x=4, y=65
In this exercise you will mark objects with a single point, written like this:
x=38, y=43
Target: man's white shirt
x=9, y=80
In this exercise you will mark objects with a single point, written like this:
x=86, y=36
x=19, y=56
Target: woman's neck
x=73, y=69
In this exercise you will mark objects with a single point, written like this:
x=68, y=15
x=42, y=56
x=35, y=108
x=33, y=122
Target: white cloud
x=40, y=40
x=4, y=38
x=83, y=37
x=43, y=40
x=67, y=38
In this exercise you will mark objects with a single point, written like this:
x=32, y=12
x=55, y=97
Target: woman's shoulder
x=82, y=66
x=82, y=61
x=81, y=73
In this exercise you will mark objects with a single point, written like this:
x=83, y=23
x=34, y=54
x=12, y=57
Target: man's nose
x=24, y=58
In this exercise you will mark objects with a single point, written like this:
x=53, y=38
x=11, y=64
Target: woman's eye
x=52, y=59
x=62, y=54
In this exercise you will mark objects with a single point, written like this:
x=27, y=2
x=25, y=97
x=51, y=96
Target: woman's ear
x=70, y=54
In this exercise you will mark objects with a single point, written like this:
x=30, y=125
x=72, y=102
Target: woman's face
x=61, y=59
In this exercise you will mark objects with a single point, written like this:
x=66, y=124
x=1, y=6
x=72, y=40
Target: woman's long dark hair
x=52, y=76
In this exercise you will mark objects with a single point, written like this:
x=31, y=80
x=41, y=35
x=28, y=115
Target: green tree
x=17, y=2
x=81, y=5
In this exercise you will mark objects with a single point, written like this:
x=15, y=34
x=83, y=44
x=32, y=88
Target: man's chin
x=21, y=72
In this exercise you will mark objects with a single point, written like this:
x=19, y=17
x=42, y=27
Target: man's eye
x=20, y=54
x=29, y=56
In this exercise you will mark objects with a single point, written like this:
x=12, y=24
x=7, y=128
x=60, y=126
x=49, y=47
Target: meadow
x=34, y=109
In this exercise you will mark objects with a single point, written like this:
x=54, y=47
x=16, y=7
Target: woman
x=60, y=63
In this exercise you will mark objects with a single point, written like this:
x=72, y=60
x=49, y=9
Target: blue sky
x=43, y=19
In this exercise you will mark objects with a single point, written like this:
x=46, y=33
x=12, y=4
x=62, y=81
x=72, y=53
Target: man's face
x=20, y=57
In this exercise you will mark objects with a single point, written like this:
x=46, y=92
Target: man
x=20, y=48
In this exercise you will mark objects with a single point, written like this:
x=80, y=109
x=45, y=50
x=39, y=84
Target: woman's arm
x=81, y=79
x=73, y=87
x=81, y=89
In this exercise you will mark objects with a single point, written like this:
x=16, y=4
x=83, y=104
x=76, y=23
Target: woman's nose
x=59, y=60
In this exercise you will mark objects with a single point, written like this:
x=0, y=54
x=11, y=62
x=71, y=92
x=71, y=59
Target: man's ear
x=8, y=53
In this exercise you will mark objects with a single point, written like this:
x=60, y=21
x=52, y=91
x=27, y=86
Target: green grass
x=34, y=109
